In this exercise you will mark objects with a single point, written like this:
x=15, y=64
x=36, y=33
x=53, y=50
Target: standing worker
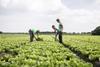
x=60, y=28
x=32, y=33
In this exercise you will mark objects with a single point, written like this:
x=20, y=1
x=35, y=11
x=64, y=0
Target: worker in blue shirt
x=32, y=33
x=60, y=28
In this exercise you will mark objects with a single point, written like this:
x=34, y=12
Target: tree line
x=96, y=31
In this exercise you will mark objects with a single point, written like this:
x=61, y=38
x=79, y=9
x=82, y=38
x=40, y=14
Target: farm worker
x=60, y=28
x=56, y=31
x=32, y=33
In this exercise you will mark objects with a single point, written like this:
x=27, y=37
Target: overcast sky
x=75, y=15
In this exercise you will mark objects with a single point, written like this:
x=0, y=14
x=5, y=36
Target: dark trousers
x=60, y=37
x=31, y=38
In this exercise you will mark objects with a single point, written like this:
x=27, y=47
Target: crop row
x=88, y=49
x=85, y=38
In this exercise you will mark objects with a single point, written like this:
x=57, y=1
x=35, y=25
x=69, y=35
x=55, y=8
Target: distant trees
x=1, y=32
x=96, y=31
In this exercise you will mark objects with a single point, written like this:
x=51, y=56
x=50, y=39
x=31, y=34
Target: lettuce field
x=76, y=51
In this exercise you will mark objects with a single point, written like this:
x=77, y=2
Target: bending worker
x=32, y=33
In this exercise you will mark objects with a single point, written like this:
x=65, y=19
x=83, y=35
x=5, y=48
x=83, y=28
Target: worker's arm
x=35, y=37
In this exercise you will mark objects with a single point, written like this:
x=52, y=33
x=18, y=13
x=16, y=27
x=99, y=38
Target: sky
x=75, y=15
